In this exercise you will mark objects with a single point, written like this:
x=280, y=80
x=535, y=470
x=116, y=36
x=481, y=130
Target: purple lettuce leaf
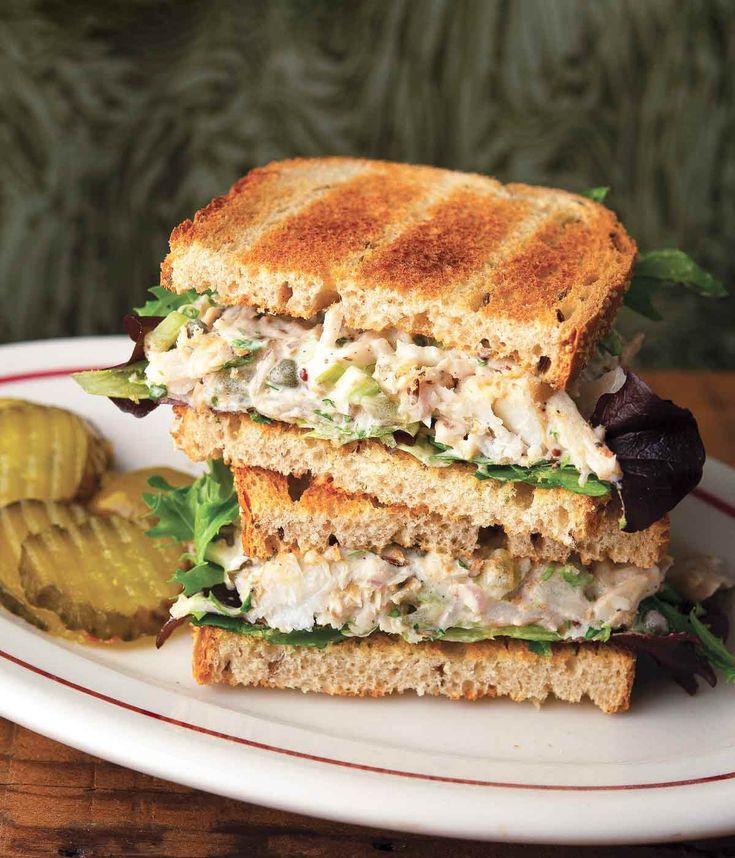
x=658, y=447
x=675, y=653
x=679, y=653
x=137, y=327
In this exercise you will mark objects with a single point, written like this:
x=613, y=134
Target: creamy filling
x=421, y=595
x=346, y=385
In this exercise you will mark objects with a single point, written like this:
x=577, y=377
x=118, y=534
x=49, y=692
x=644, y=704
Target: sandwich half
x=305, y=587
x=334, y=593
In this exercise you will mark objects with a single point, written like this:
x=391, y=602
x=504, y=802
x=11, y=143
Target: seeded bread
x=556, y=522
x=381, y=665
x=531, y=274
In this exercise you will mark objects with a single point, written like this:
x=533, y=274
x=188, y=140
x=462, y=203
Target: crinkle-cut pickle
x=104, y=576
x=122, y=493
x=17, y=521
x=47, y=453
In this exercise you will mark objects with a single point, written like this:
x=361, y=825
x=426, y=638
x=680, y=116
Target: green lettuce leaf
x=318, y=637
x=258, y=418
x=425, y=451
x=526, y=633
x=194, y=513
x=324, y=635
x=672, y=606
x=539, y=647
x=165, y=302
x=714, y=649
x=345, y=433
x=662, y=269
x=200, y=577
x=544, y=475
x=602, y=634
x=596, y=194
x=120, y=382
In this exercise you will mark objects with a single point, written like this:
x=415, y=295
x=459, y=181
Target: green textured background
x=120, y=118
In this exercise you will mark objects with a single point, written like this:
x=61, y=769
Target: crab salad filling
x=439, y=404
x=424, y=595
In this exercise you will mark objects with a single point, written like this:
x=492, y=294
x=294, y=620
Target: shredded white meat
x=418, y=595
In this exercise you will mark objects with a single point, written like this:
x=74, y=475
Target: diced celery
x=164, y=335
x=364, y=388
x=380, y=408
x=332, y=374
x=190, y=311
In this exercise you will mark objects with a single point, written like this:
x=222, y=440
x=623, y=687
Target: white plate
x=493, y=770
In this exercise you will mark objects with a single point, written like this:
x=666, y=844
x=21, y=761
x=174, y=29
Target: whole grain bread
x=380, y=665
x=555, y=522
x=532, y=274
x=281, y=512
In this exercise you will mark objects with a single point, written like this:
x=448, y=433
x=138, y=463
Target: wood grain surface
x=57, y=801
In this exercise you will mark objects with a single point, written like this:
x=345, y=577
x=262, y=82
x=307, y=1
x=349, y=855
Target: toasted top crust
x=535, y=275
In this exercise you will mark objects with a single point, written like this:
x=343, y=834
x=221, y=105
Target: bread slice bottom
x=381, y=665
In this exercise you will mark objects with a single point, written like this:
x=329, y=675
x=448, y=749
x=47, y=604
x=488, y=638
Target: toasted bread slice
x=381, y=665
x=553, y=520
x=282, y=512
x=531, y=274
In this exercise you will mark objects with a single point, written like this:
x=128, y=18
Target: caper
x=284, y=374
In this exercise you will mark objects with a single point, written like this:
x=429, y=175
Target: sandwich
x=434, y=350
x=294, y=584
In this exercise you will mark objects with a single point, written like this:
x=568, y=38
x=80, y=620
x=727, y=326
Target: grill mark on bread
x=541, y=271
x=317, y=240
x=268, y=195
x=450, y=245
x=255, y=204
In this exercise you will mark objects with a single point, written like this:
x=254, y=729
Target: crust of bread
x=534, y=275
x=382, y=665
x=555, y=522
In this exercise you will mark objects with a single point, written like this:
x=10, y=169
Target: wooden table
x=57, y=801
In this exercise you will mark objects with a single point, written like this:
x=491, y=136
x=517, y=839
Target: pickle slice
x=48, y=453
x=5, y=402
x=17, y=521
x=122, y=494
x=104, y=576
